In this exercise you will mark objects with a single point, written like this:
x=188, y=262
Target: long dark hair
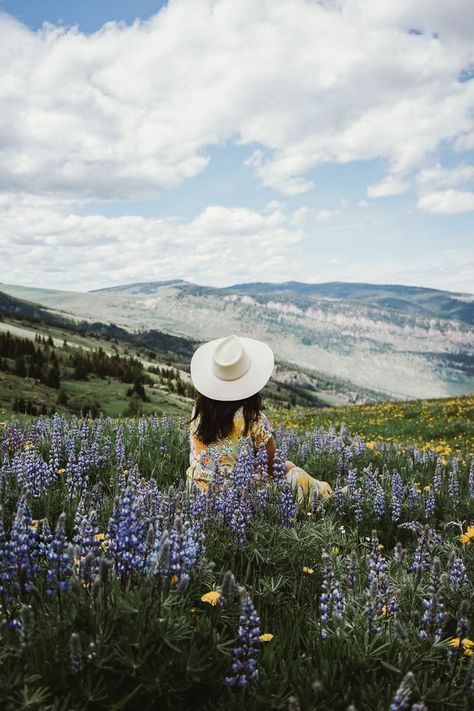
x=217, y=416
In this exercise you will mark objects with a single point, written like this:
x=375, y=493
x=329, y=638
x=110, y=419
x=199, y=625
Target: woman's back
x=224, y=452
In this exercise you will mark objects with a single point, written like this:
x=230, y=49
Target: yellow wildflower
x=211, y=597
x=465, y=643
x=100, y=536
x=467, y=537
x=308, y=571
x=380, y=545
x=427, y=488
x=34, y=524
x=335, y=550
x=266, y=637
x=61, y=470
x=174, y=579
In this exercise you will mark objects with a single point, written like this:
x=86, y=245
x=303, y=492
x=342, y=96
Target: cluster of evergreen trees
x=99, y=363
x=29, y=360
x=28, y=407
x=172, y=378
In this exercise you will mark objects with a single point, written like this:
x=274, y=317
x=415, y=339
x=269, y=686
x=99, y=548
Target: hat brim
x=206, y=382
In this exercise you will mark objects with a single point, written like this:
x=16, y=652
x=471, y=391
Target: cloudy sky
x=224, y=141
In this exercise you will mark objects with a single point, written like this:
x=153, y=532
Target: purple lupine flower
x=239, y=474
x=457, y=572
x=462, y=629
x=126, y=533
x=470, y=479
x=399, y=553
x=279, y=466
x=77, y=476
x=351, y=574
x=430, y=506
x=371, y=608
x=32, y=472
x=58, y=560
x=352, y=482
x=398, y=488
x=87, y=540
x=23, y=548
x=358, y=510
x=7, y=569
x=453, y=485
x=438, y=476
x=228, y=589
x=370, y=482
x=239, y=521
x=57, y=441
x=44, y=537
x=331, y=600
x=433, y=618
x=413, y=497
x=27, y=624
x=178, y=551
x=378, y=599
x=261, y=499
x=244, y=665
x=421, y=558
x=426, y=457
x=403, y=695
x=379, y=502
x=340, y=499
x=318, y=439
x=395, y=508
x=119, y=450
x=261, y=463
x=287, y=505
x=197, y=506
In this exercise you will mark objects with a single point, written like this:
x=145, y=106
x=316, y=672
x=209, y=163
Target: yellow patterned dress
x=224, y=452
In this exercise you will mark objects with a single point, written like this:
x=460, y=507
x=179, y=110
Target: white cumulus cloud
x=447, y=202
x=130, y=111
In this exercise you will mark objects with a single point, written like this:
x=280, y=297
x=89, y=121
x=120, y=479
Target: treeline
x=39, y=362
x=28, y=407
x=125, y=368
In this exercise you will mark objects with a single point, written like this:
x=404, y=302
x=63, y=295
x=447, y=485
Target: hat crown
x=230, y=360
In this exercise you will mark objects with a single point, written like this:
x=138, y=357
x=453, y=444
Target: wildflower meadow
x=121, y=590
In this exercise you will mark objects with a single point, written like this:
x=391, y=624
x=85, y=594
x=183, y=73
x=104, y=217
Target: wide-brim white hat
x=231, y=368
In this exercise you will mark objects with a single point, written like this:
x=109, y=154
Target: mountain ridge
x=407, y=342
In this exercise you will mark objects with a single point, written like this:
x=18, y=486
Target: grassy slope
x=447, y=423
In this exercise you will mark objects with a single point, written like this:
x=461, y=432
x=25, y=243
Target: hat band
x=232, y=371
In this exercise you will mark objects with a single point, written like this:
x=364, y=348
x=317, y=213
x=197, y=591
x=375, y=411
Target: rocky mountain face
x=382, y=340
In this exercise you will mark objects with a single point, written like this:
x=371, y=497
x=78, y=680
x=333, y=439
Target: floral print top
x=224, y=452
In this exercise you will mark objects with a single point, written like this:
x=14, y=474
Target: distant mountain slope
x=404, y=341
x=412, y=299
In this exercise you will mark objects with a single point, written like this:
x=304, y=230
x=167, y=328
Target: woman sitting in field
x=228, y=374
